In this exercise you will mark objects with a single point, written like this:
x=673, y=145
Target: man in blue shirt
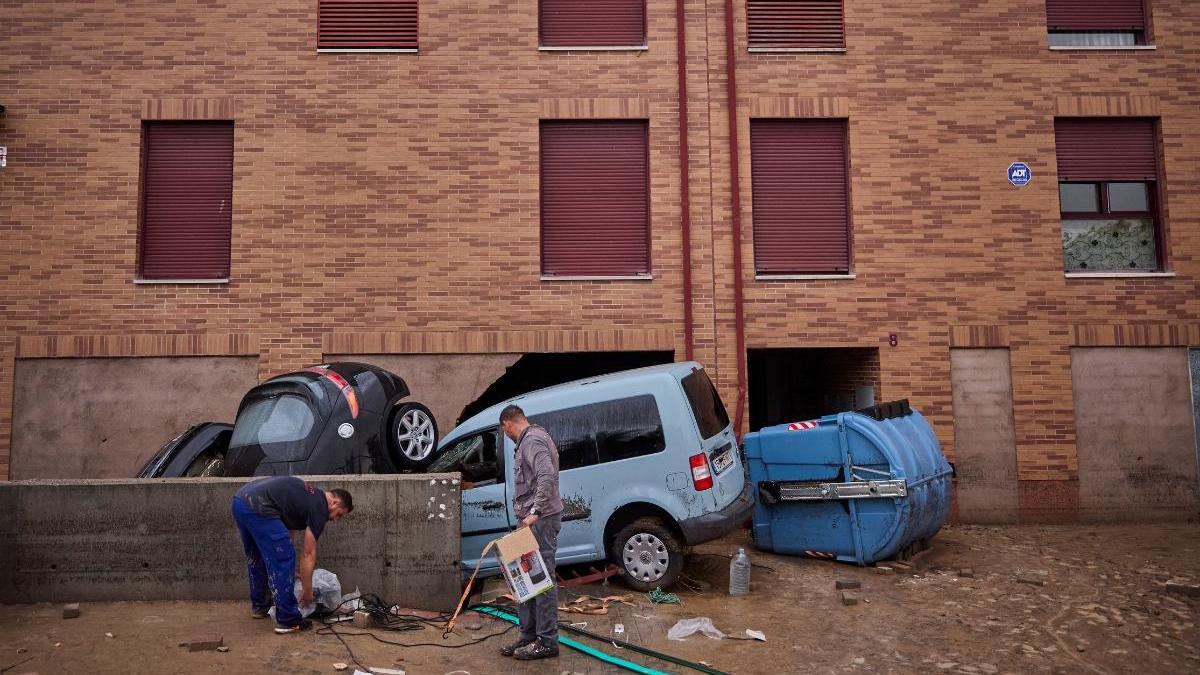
x=265, y=510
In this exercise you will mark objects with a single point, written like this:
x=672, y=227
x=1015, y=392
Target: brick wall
x=398, y=193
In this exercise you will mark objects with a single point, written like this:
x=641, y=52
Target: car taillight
x=701, y=476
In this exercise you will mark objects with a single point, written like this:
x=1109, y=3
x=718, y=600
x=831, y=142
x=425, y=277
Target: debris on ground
x=1031, y=578
x=339, y=666
x=363, y=619
x=109, y=635
x=586, y=604
x=71, y=611
x=471, y=621
x=1183, y=589
x=843, y=584
x=222, y=649
x=660, y=597
x=205, y=643
x=375, y=670
x=884, y=569
x=966, y=573
x=686, y=627
x=849, y=598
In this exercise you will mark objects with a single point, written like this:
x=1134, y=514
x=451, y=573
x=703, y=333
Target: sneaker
x=304, y=624
x=536, y=650
x=509, y=650
x=260, y=613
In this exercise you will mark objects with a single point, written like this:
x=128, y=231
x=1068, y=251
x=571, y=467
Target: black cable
x=8, y=668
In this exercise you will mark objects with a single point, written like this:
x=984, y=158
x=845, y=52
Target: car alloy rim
x=415, y=435
x=646, y=557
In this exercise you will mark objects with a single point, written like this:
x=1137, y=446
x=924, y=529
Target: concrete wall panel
x=103, y=418
x=174, y=539
x=1137, y=453
x=985, y=451
x=444, y=382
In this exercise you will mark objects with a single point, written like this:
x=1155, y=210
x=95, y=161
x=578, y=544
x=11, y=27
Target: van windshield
x=706, y=404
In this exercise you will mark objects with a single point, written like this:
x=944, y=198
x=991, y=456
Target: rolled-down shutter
x=595, y=198
x=592, y=23
x=367, y=24
x=187, y=197
x=801, y=203
x=1105, y=149
x=1082, y=15
x=796, y=23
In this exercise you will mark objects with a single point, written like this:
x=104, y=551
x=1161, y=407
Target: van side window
x=706, y=404
x=474, y=457
x=573, y=434
x=629, y=427
x=605, y=432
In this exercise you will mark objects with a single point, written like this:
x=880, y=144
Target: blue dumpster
x=855, y=486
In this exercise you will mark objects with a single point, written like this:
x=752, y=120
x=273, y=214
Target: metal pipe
x=684, y=180
x=736, y=217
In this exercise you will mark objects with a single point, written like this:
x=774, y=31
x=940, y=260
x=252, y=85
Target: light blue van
x=648, y=464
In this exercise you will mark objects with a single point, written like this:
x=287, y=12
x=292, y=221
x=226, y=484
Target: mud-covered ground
x=1102, y=606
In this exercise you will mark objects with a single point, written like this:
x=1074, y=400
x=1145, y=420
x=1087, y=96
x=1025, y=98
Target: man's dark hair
x=344, y=497
x=511, y=413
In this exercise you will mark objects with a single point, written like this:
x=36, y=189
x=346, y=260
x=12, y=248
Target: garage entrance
x=1135, y=431
x=796, y=384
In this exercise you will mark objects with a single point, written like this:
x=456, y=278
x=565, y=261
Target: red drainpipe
x=684, y=181
x=736, y=216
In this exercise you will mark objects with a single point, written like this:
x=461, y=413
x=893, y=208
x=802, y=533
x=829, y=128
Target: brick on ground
x=205, y=643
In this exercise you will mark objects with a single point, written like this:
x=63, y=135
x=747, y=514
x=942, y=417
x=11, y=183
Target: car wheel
x=649, y=554
x=412, y=436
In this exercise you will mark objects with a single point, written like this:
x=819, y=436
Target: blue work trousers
x=270, y=563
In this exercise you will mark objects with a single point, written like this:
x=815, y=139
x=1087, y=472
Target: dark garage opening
x=798, y=384
x=538, y=371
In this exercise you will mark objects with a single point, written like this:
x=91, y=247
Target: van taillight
x=701, y=476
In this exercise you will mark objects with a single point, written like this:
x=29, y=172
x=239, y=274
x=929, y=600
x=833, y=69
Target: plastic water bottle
x=739, y=573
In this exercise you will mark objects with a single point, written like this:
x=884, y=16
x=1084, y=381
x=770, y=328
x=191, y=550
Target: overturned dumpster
x=856, y=486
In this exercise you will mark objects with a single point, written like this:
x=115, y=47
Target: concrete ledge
x=174, y=539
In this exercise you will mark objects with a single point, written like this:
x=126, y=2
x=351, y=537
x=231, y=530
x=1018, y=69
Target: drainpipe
x=736, y=217
x=685, y=206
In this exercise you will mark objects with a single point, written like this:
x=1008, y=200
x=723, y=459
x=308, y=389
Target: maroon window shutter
x=592, y=23
x=796, y=23
x=187, y=195
x=1105, y=149
x=367, y=24
x=1083, y=15
x=800, y=190
x=595, y=198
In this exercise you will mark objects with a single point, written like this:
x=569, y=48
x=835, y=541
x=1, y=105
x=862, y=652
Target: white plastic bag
x=327, y=593
x=686, y=627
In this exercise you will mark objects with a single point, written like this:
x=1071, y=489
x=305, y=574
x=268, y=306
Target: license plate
x=722, y=461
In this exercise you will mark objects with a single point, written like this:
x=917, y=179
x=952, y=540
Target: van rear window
x=706, y=404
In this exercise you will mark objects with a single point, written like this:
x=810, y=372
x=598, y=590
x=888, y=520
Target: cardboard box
x=524, y=570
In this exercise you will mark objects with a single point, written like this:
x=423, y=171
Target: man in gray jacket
x=538, y=506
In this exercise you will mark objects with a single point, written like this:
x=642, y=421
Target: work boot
x=304, y=624
x=260, y=612
x=536, y=650
x=509, y=650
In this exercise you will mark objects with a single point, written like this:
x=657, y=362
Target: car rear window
x=279, y=425
x=706, y=404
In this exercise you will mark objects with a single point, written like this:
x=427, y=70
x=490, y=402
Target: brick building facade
x=388, y=204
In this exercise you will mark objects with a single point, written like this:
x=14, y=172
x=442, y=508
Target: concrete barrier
x=174, y=539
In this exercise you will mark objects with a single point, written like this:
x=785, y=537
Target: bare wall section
x=174, y=539
x=104, y=417
x=985, y=451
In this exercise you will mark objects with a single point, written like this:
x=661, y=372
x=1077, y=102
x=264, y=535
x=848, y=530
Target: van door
x=485, y=502
x=573, y=432
x=717, y=439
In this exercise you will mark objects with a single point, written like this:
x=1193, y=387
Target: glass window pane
x=1109, y=245
x=573, y=431
x=1079, y=197
x=279, y=425
x=630, y=427
x=1128, y=197
x=1093, y=38
x=706, y=404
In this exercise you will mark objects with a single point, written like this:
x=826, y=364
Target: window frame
x=1153, y=209
x=1143, y=39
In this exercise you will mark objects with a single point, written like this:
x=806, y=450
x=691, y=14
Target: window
x=801, y=196
x=186, y=202
x=706, y=404
x=278, y=425
x=594, y=23
x=475, y=457
x=366, y=25
x=795, y=24
x=1108, y=194
x=605, y=432
x=595, y=198
x=1096, y=23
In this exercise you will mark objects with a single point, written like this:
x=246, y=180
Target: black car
x=336, y=418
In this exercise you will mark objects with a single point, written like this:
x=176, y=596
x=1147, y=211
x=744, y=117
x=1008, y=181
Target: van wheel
x=649, y=554
x=412, y=436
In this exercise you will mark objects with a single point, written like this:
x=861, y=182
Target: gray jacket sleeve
x=543, y=471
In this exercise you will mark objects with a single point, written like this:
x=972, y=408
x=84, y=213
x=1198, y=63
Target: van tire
x=649, y=554
x=406, y=420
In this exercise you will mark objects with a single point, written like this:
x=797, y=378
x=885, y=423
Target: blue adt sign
x=1019, y=174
